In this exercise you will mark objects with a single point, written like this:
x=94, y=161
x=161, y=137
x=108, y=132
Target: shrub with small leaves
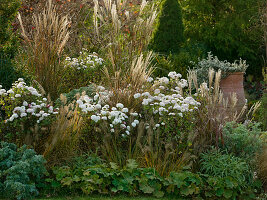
x=21, y=169
x=212, y=62
x=242, y=140
x=221, y=164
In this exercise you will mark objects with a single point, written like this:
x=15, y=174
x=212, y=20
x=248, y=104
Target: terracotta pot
x=233, y=83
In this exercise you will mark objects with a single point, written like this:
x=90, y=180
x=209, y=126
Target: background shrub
x=230, y=29
x=261, y=114
x=242, y=140
x=20, y=171
x=8, y=40
x=179, y=62
x=168, y=35
x=9, y=73
x=262, y=165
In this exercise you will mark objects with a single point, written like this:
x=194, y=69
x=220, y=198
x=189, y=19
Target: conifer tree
x=168, y=35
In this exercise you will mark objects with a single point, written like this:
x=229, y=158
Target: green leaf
x=113, y=165
x=220, y=192
x=158, y=194
x=131, y=164
x=146, y=189
x=228, y=194
x=76, y=178
x=66, y=181
x=188, y=190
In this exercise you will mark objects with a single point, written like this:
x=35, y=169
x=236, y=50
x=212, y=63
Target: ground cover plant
x=109, y=103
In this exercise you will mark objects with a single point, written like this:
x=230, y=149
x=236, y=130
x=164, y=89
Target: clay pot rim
x=230, y=73
x=235, y=73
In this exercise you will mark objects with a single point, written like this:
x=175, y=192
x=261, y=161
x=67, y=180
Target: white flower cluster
x=167, y=98
x=84, y=61
x=118, y=117
x=37, y=107
x=20, y=84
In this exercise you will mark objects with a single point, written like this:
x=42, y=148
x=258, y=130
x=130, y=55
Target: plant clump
x=21, y=171
x=23, y=109
x=212, y=62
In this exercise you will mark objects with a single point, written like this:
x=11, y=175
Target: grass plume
x=45, y=46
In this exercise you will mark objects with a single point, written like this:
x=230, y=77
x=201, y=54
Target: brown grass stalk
x=65, y=133
x=44, y=48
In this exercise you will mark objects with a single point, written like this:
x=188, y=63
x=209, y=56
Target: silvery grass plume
x=120, y=32
x=124, y=86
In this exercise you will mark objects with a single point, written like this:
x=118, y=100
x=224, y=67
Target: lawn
x=102, y=197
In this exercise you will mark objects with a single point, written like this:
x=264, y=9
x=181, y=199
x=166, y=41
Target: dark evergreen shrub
x=168, y=36
x=9, y=73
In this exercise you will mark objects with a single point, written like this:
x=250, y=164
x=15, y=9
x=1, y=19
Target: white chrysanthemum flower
x=157, y=91
x=23, y=114
x=95, y=118
x=137, y=95
x=150, y=79
x=133, y=124
x=136, y=121
x=125, y=110
x=119, y=105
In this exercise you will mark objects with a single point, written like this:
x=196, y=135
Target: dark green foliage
x=262, y=112
x=230, y=29
x=98, y=176
x=8, y=12
x=91, y=175
x=8, y=73
x=228, y=188
x=221, y=164
x=179, y=62
x=242, y=141
x=184, y=184
x=168, y=36
x=20, y=170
